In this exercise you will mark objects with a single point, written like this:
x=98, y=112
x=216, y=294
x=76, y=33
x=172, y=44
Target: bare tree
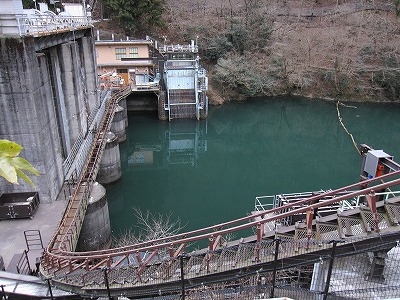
x=149, y=226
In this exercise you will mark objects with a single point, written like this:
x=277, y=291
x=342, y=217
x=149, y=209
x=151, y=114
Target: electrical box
x=372, y=160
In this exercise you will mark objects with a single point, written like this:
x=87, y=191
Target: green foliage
x=136, y=15
x=11, y=165
x=27, y=4
x=397, y=3
x=217, y=47
x=240, y=36
x=244, y=75
x=389, y=78
x=248, y=34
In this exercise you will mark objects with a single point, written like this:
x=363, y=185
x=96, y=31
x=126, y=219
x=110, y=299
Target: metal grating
x=122, y=275
x=350, y=226
x=369, y=220
x=194, y=264
x=287, y=244
x=245, y=254
x=393, y=211
x=227, y=258
x=210, y=262
x=327, y=231
x=182, y=104
x=267, y=250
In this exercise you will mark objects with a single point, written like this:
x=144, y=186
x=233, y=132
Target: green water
x=211, y=171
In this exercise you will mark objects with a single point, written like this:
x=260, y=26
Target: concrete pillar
x=110, y=165
x=118, y=124
x=162, y=115
x=28, y=115
x=63, y=120
x=122, y=103
x=72, y=88
x=89, y=66
x=96, y=229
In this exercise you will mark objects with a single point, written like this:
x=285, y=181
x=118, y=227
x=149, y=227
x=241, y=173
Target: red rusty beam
x=309, y=219
x=260, y=231
x=130, y=248
x=143, y=265
x=371, y=200
x=179, y=250
x=214, y=243
x=153, y=246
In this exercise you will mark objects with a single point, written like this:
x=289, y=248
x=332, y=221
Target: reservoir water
x=210, y=171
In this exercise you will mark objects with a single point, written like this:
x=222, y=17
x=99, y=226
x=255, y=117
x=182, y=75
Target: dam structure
x=50, y=98
x=184, y=83
x=51, y=105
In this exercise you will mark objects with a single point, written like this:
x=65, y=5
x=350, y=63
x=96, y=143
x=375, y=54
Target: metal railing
x=34, y=24
x=67, y=234
x=150, y=263
x=59, y=260
x=178, y=48
x=78, y=155
x=263, y=203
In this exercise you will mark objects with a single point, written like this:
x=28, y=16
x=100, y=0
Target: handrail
x=60, y=255
x=107, y=256
x=33, y=24
x=66, y=231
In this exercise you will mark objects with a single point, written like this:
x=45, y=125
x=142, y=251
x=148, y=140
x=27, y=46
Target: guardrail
x=178, y=48
x=63, y=261
x=33, y=24
x=67, y=234
x=78, y=155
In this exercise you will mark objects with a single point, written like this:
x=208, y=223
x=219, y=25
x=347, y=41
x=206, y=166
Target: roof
x=123, y=42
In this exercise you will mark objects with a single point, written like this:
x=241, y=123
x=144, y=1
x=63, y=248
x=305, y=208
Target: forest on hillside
x=338, y=49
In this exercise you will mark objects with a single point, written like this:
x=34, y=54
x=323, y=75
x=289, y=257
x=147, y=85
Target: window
x=120, y=53
x=133, y=52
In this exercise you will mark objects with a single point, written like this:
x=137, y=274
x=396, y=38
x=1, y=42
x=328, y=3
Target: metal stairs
x=294, y=241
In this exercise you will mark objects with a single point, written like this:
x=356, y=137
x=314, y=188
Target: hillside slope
x=330, y=49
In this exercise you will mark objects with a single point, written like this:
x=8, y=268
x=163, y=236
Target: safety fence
x=337, y=270
x=79, y=189
x=78, y=155
x=49, y=23
x=366, y=273
x=141, y=268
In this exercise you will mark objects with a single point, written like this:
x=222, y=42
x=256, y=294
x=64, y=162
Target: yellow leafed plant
x=12, y=166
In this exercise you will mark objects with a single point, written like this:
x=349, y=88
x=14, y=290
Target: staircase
x=145, y=272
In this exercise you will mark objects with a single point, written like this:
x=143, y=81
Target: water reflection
x=179, y=142
x=211, y=171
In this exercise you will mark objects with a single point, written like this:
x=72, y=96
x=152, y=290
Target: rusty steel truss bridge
x=356, y=216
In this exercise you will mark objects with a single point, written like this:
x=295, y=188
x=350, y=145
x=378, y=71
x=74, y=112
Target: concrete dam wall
x=48, y=89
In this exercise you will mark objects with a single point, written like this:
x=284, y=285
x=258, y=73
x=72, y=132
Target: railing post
x=50, y=290
x=328, y=277
x=182, y=277
x=106, y=282
x=275, y=265
x=260, y=232
x=371, y=200
x=3, y=293
x=211, y=242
